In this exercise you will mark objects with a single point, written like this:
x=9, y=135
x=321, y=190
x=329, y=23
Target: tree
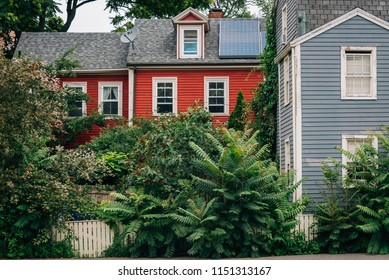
x=264, y=103
x=40, y=187
x=34, y=16
x=127, y=10
x=239, y=117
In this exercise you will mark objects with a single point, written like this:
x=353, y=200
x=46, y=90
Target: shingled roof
x=154, y=45
x=92, y=50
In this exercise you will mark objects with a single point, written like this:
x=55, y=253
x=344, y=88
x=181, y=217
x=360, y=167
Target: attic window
x=190, y=45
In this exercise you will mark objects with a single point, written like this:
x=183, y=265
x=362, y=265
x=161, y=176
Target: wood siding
x=325, y=117
x=291, y=21
x=285, y=120
x=190, y=85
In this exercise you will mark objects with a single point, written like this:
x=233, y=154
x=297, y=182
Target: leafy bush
x=237, y=205
x=336, y=218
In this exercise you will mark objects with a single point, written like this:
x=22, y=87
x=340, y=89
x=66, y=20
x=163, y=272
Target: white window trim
x=84, y=89
x=373, y=62
x=284, y=22
x=226, y=81
x=346, y=138
x=286, y=81
x=199, y=41
x=157, y=80
x=120, y=96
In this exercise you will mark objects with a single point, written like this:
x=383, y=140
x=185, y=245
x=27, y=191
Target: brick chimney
x=215, y=13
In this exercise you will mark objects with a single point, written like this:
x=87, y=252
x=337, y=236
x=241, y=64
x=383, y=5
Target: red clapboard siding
x=190, y=85
x=92, y=104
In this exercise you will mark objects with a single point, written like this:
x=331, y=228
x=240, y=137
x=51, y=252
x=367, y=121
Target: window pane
x=75, y=109
x=110, y=93
x=164, y=108
x=190, y=41
x=110, y=108
x=216, y=109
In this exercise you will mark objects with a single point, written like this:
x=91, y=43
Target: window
x=286, y=81
x=110, y=98
x=164, y=95
x=287, y=155
x=351, y=143
x=359, y=73
x=190, y=42
x=217, y=95
x=284, y=27
x=77, y=108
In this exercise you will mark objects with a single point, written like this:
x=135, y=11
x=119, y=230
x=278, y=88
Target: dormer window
x=191, y=26
x=190, y=42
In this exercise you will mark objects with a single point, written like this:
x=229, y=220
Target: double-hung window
x=351, y=143
x=190, y=42
x=164, y=95
x=110, y=98
x=77, y=108
x=359, y=73
x=217, y=95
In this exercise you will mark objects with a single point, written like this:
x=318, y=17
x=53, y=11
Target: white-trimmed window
x=359, y=73
x=286, y=81
x=287, y=154
x=284, y=27
x=351, y=143
x=111, y=98
x=217, y=95
x=77, y=108
x=164, y=95
x=190, y=43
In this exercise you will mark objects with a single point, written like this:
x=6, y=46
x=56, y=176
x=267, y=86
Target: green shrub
x=239, y=117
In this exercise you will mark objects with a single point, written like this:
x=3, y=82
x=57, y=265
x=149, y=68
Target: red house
x=169, y=65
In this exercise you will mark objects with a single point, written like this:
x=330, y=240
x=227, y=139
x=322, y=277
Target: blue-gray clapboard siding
x=325, y=117
x=291, y=21
x=286, y=116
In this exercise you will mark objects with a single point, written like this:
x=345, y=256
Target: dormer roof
x=191, y=16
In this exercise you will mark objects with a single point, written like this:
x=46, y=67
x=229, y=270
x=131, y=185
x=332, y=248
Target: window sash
x=358, y=74
x=190, y=42
x=110, y=98
x=76, y=107
x=216, y=97
x=164, y=97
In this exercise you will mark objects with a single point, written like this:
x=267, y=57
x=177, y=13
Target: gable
x=190, y=16
x=336, y=22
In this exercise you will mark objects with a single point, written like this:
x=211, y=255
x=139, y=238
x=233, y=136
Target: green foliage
x=235, y=205
x=254, y=216
x=360, y=221
x=239, y=117
x=336, y=218
x=40, y=187
x=264, y=103
x=369, y=176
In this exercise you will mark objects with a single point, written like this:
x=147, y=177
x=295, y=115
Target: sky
x=92, y=17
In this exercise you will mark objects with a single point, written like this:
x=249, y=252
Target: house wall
x=291, y=21
x=325, y=117
x=92, y=90
x=190, y=85
x=285, y=113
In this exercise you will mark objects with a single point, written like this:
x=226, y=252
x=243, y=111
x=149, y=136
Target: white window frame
x=286, y=81
x=373, y=71
x=226, y=82
x=119, y=85
x=287, y=154
x=284, y=22
x=346, y=138
x=157, y=80
x=82, y=85
x=182, y=41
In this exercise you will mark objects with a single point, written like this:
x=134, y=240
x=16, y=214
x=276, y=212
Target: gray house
x=333, y=63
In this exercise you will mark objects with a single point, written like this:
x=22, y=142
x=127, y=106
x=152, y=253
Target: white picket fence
x=305, y=225
x=92, y=237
